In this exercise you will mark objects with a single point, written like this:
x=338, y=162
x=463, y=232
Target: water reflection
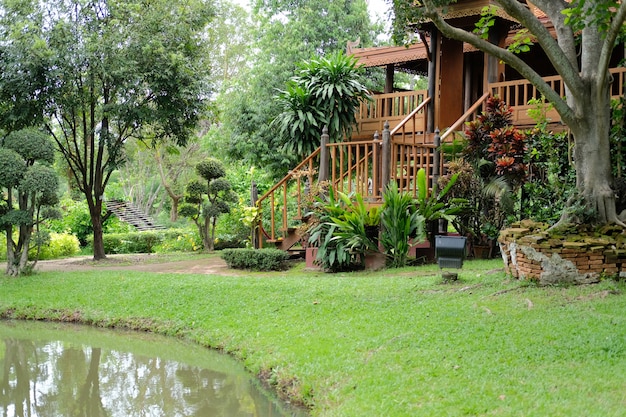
x=59, y=370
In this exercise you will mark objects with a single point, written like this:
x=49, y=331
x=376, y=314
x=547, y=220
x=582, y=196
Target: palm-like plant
x=325, y=92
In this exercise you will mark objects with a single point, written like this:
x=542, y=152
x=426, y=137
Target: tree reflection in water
x=69, y=377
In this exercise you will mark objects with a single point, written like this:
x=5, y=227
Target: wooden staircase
x=130, y=214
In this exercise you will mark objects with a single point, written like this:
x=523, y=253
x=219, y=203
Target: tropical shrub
x=179, y=240
x=325, y=92
x=402, y=225
x=339, y=233
x=552, y=178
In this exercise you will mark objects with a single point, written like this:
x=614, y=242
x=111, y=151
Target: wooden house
x=400, y=131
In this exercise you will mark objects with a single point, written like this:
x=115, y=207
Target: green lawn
x=390, y=343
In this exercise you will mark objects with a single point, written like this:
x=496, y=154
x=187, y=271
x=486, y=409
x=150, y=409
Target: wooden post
x=386, y=157
x=432, y=80
x=436, y=161
x=254, y=196
x=324, y=156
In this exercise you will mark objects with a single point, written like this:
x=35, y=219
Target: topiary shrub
x=256, y=259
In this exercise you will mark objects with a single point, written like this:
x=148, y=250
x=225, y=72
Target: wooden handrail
x=410, y=116
x=289, y=175
x=455, y=126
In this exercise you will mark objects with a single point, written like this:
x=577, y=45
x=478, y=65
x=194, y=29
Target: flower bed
x=565, y=255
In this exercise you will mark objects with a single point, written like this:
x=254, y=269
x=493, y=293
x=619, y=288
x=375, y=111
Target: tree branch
x=560, y=52
x=510, y=58
x=609, y=41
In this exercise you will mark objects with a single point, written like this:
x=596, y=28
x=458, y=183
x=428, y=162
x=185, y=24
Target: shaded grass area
x=388, y=343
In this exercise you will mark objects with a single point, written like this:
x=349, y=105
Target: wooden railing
x=518, y=93
x=355, y=167
x=275, y=202
x=391, y=107
x=470, y=114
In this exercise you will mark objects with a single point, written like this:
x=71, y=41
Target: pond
x=52, y=369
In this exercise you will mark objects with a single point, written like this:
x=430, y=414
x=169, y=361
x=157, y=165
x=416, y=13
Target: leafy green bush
x=179, y=240
x=256, y=259
x=60, y=245
x=171, y=240
x=400, y=221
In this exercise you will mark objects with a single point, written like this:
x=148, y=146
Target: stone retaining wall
x=531, y=252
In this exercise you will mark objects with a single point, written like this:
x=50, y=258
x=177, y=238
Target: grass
x=389, y=343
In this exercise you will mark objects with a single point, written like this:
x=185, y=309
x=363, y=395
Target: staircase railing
x=470, y=114
x=275, y=201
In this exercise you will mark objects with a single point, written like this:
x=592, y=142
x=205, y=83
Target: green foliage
x=179, y=240
x=75, y=220
x=32, y=145
x=256, y=259
x=437, y=205
x=618, y=137
x=12, y=166
x=300, y=121
x=210, y=169
x=284, y=34
x=339, y=234
x=486, y=21
x=552, y=177
x=121, y=66
x=58, y=245
x=151, y=241
x=325, y=92
x=402, y=225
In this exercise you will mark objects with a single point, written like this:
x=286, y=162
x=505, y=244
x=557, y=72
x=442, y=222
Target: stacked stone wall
x=530, y=251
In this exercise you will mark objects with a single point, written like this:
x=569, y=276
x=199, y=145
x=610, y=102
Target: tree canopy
x=97, y=73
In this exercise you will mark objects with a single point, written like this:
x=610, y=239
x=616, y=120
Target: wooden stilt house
x=399, y=132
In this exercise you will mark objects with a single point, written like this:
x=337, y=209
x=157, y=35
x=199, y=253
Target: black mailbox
x=450, y=251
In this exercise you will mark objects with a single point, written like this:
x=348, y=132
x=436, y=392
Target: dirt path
x=141, y=262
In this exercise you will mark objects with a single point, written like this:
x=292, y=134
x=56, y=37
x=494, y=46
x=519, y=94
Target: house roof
x=413, y=58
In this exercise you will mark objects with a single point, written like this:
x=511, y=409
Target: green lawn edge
x=387, y=343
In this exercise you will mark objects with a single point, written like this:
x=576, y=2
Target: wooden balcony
x=391, y=107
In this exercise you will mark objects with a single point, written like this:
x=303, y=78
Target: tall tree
x=104, y=70
x=286, y=32
x=586, y=34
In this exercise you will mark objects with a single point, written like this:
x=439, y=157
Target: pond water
x=51, y=369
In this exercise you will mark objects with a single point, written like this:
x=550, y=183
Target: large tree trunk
x=592, y=154
x=95, y=212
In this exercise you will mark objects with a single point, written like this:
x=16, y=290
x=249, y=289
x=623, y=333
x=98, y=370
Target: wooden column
x=389, y=75
x=451, y=83
x=432, y=80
